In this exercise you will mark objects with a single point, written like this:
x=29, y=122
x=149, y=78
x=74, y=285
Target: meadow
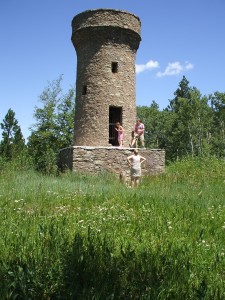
x=77, y=236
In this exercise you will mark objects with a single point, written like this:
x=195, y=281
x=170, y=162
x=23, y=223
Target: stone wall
x=101, y=38
x=111, y=159
x=106, y=41
x=106, y=17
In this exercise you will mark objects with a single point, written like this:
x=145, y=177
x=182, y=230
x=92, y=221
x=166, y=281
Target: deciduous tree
x=54, y=126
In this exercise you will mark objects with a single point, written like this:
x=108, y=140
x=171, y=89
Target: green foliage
x=13, y=142
x=65, y=119
x=182, y=92
x=89, y=237
x=192, y=125
x=54, y=127
x=152, y=118
x=217, y=135
x=189, y=126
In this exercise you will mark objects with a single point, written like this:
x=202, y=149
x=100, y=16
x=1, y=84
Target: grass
x=91, y=237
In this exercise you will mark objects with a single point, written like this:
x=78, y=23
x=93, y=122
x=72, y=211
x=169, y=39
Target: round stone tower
x=106, y=42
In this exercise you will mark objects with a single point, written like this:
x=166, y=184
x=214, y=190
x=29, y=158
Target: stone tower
x=106, y=42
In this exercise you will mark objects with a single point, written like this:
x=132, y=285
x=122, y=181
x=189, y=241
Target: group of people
x=135, y=160
x=137, y=134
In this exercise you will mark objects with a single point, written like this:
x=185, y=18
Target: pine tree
x=182, y=92
x=13, y=142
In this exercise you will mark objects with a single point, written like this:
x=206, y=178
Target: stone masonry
x=100, y=159
x=103, y=37
x=106, y=42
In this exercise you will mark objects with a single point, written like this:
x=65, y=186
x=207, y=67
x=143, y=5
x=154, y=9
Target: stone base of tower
x=86, y=159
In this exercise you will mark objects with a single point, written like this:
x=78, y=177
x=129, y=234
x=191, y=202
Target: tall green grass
x=91, y=237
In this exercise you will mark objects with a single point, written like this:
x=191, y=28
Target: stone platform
x=87, y=159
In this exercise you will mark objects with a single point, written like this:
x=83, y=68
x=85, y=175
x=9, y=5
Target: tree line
x=191, y=125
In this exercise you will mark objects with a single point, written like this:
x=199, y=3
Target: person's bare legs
x=133, y=143
x=136, y=143
x=134, y=182
x=137, y=182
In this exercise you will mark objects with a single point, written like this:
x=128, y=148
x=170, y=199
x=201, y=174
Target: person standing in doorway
x=120, y=132
x=135, y=160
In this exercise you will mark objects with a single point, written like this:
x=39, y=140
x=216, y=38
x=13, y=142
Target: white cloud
x=175, y=68
x=188, y=66
x=172, y=69
x=148, y=66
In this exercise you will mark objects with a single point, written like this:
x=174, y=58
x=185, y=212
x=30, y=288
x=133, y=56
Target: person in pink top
x=120, y=132
x=138, y=134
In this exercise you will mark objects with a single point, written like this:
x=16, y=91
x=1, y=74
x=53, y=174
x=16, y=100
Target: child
x=120, y=131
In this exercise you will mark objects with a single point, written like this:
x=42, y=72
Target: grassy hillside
x=91, y=237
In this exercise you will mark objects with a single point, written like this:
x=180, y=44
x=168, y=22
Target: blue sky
x=178, y=38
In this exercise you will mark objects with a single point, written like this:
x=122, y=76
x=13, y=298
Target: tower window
x=114, y=67
x=84, y=90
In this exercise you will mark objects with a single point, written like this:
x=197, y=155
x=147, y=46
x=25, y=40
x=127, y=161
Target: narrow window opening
x=114, y=67
x=84, y=90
